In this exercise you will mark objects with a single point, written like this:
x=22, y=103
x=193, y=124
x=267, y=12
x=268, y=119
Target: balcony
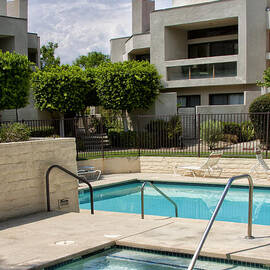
x=202, y=71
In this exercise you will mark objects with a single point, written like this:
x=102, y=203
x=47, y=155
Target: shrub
x=14, y=133
x=259, y=121
x=123, y=138
x=46, y=131
x=212, y=132
x=175, y=130
x=247, y=131
x=232, y=128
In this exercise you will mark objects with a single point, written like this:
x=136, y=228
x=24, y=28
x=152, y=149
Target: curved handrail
x=71, y=174
x=209, y=226
x=160, y=192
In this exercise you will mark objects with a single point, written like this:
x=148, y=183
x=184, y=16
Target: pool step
x=150, y=262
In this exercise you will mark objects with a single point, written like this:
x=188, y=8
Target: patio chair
x=89, y=173
x=209, y=166
x=261, y=164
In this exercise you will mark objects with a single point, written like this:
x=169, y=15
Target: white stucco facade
x=14, y=36
x=210, y=50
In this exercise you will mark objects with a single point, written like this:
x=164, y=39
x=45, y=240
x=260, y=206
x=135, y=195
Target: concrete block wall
x=23, y=166
x=231, y=166
x=113, y=165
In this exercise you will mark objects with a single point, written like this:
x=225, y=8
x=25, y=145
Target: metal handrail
x=209, y=226
x=160, y=192
x=71, y=174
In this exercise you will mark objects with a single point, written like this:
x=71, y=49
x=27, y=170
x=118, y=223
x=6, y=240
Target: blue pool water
x=121, y=259
x=194, y=201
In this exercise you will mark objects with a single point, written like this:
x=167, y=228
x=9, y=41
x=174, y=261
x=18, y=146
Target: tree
x=15, y=75
x=127, y=86
x=47, y=58
x=91, y=60
x=64, y=89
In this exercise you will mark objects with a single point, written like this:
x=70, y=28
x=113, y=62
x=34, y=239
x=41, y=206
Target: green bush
x=247, y=131
x=260, y=121
x=46, y=131
x=212, y=132
x=232, y=128
x=15, y=132
x=125, y=139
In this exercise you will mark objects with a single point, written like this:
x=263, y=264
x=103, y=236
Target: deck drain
x=64, y=243
x=112, y=235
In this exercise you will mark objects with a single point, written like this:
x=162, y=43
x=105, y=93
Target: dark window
x=229, y=47
x=142, y=57
x=212, y=32
x=189, y=101
x=225, y=69
x=226, y=99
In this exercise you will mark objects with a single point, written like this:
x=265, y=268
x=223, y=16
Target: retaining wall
x=23, y=166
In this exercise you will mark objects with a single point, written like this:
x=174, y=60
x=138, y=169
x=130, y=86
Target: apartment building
x=14, y=36
x=210, y=53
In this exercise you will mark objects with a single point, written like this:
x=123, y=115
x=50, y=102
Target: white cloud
x=81, y=26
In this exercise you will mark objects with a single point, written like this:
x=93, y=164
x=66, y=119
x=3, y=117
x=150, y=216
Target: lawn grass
x=133, y=153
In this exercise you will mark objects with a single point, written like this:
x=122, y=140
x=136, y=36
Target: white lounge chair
x=209, y=166
x=261, y=164
x=89, y=173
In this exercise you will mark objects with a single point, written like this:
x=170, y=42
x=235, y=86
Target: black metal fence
x=236, y=135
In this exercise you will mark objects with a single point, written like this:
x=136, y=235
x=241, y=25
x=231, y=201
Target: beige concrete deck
x=118, y=178
x=30, y=242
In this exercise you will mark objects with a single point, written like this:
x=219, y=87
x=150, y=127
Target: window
x=202, y=71
x=189, y=101
x=229, y=47
x=226, y=99
x=142, y=57
x=212, y=32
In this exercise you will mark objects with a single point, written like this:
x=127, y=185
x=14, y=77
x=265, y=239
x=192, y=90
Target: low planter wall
x=113, y=165
x=231, y=166
x=23, y=166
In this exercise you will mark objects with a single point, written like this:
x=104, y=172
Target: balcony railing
x=202, y=71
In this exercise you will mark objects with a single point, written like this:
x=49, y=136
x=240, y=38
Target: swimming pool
x=119, y=258
x=193, y=200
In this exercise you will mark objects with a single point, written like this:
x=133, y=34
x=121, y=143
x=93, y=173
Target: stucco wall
x=113, y=165
x=23, y=166
x=231, y=166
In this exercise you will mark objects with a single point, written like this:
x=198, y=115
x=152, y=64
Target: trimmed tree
x=64, y=89
x=127, y=86
x=15, y=75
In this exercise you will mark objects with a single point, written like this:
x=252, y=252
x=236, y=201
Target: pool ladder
x=209, y=226
x=74, y=176
x=160, y=192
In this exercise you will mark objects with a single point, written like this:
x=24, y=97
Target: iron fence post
x=102, y=142
x=267, y=134
x=199, y=135
x=138, y=136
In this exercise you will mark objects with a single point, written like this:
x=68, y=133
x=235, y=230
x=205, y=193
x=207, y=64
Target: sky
x=82, y=26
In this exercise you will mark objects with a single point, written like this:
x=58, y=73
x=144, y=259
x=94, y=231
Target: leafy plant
x=45, y=131
x=15, y=75
x=47, y=58
x=260, y=121
x=127, y=86
x=14, y=133
x=212, y=132
x=91, y=60
x=247, y=131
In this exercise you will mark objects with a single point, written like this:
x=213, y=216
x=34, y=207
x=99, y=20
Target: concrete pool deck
x=33, y=242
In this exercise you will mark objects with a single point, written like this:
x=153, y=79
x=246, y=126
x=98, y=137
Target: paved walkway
x=36, y=241
x=32, y=242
